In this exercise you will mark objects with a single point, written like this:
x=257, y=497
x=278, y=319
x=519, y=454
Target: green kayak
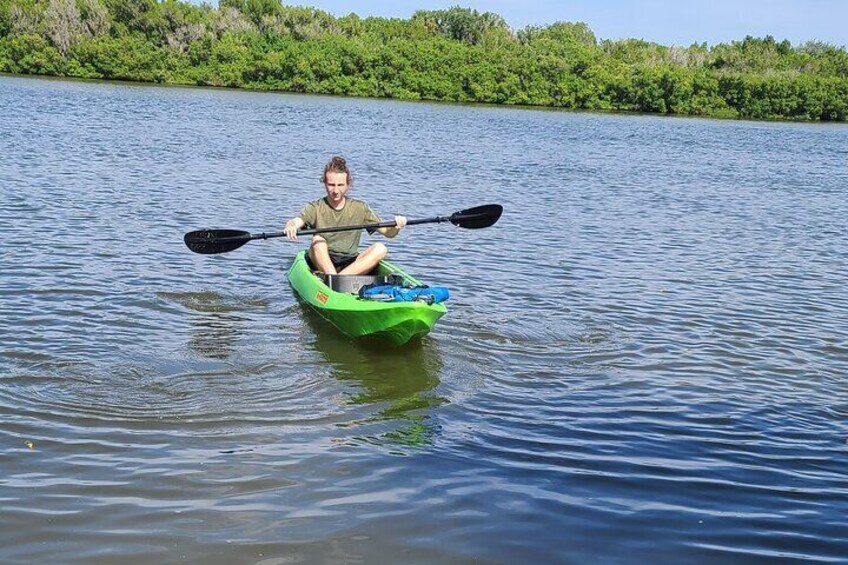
x=396, y=322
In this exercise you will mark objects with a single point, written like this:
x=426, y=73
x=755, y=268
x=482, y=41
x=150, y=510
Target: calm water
x=644, y=360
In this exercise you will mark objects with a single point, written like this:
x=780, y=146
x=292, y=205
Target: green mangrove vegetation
x=456, y=55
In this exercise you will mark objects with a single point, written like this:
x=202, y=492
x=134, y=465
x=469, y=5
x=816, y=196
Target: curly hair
x=337, y=165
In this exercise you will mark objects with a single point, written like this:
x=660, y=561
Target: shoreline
x=489, y=105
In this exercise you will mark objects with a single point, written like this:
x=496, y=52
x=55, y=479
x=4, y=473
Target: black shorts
x=340, y=260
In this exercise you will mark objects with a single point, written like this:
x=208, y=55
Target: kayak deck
x=395, y=322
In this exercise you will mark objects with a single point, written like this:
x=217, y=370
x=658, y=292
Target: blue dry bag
x=395, y=293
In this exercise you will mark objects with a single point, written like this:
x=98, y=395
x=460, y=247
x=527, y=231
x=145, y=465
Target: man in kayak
x=337, y=252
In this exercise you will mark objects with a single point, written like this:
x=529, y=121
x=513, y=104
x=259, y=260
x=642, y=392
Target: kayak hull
x=394, y=322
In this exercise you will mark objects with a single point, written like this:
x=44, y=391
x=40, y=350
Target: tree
x=64, y=25
x=460, y=24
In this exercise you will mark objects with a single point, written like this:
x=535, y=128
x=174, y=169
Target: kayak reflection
x=395, y=384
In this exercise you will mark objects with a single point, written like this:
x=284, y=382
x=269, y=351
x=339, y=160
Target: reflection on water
x=391, y=389
x=399, y=381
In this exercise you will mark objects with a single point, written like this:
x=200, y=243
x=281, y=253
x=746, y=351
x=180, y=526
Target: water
x=644, y=360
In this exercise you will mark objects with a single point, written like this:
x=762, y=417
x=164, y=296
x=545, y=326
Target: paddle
x=209, y=242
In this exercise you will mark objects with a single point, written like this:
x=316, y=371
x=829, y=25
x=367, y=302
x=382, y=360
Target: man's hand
x=291, y=228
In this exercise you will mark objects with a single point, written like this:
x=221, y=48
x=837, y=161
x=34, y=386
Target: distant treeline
x=454, y=55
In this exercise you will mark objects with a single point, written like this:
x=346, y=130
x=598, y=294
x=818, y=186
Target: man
x=338, y=252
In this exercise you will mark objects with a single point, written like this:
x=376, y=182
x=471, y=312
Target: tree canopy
x=458, y=54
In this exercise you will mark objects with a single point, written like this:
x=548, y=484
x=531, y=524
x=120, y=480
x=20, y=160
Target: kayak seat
x=352, y=283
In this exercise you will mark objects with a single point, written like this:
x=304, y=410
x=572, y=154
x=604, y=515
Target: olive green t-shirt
x=320, y=214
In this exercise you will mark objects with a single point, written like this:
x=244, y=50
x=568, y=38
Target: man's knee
x=380, y=250
x=318, y=245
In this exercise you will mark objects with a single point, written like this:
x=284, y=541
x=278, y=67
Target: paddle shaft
x=210, y=242
x=387, y=224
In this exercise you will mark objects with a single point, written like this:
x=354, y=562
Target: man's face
x=336, y=185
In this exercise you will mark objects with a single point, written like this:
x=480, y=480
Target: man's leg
x=320, y=255
x=366, y=261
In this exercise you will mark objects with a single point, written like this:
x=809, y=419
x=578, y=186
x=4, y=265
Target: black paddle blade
x=209, y=242
x=478, y=217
